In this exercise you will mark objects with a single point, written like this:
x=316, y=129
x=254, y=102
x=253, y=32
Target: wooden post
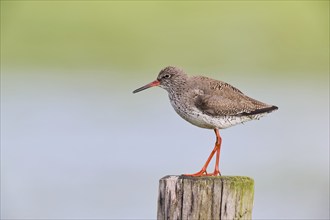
x=220, y=197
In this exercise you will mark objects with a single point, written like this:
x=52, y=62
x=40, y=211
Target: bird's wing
x=222, y=99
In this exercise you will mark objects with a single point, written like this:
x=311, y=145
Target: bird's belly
x=198, y=118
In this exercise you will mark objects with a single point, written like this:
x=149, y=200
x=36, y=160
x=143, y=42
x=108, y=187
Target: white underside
x=198, y=118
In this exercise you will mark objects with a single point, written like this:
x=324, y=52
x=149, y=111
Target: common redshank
x=208, y=103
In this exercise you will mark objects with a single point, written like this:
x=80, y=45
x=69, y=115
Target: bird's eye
x=166, y=76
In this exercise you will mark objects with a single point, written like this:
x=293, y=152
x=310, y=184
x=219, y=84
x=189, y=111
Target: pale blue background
x=77, y=144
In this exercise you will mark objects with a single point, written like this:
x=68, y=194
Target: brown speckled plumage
x=208, y=103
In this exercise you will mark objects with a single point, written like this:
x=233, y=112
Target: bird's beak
x=152, y=84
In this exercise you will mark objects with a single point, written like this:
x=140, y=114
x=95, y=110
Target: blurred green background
x=73, y=137
x=245, y=36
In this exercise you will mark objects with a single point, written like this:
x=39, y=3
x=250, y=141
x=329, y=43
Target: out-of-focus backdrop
x=76, y=143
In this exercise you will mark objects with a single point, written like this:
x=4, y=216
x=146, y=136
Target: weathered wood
x=220, y=197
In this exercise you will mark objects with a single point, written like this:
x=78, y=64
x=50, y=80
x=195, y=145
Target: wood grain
x=220, y=197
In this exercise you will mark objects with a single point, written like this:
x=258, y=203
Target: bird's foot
x=215, y=173
x=204, y=173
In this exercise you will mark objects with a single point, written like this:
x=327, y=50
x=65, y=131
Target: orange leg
x=216, y=149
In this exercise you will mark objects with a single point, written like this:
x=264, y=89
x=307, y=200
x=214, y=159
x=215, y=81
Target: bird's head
x=168, y=78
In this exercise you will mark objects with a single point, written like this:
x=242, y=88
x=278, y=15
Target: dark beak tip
x=139, y=89
x=152, y=84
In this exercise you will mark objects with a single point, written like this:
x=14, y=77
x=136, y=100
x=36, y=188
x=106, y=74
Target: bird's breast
x=184, y=106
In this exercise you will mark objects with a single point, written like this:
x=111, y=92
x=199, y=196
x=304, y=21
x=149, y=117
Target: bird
x=208, y=103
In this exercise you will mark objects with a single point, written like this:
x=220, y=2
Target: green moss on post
x=220, y=197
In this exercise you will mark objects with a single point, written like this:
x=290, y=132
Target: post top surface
x=225, y=178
